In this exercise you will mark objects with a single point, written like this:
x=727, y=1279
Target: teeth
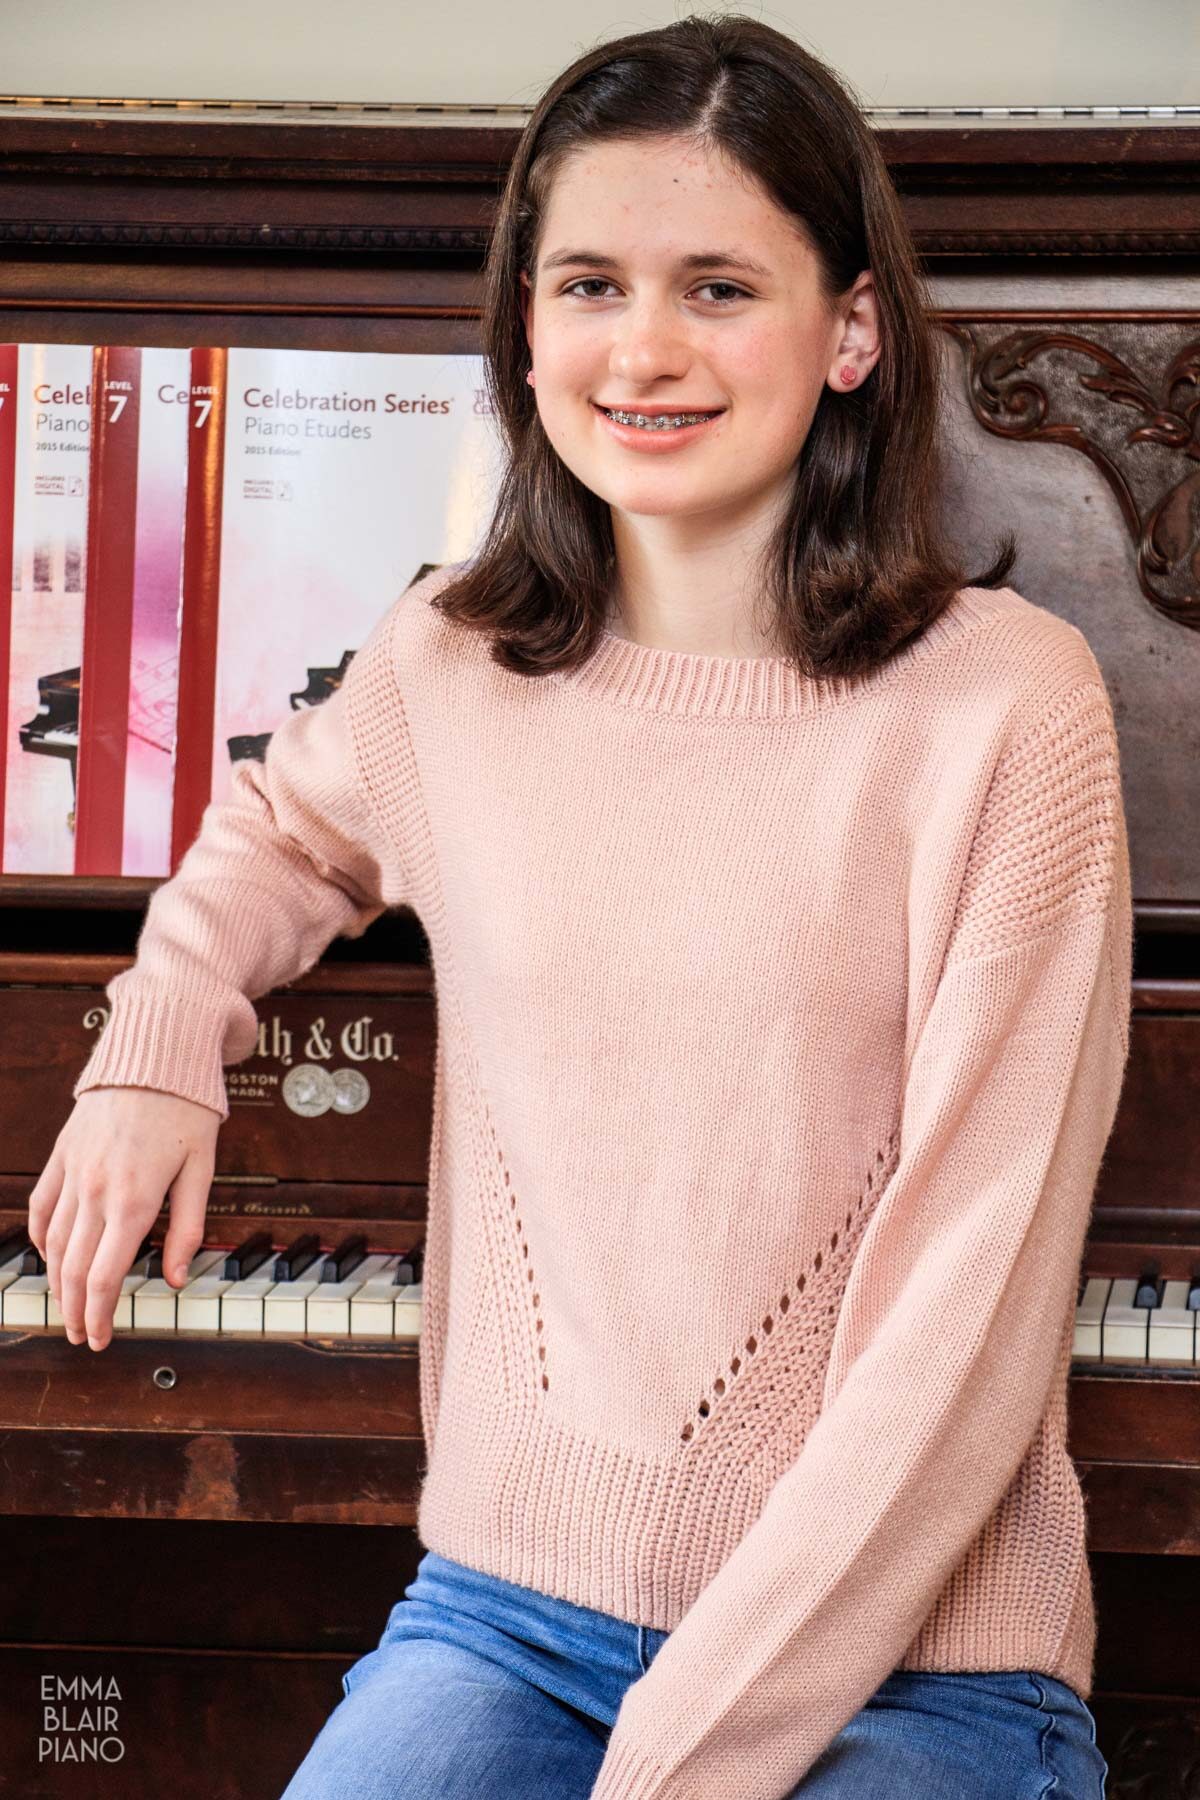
x=647, y=422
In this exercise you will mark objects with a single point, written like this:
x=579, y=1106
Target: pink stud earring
x=529, y=377
x=849, y=374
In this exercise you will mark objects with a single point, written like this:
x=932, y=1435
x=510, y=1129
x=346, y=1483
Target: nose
x=648, y=343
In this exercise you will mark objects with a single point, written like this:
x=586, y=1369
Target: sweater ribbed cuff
x=155, y=1040
x=626, y=1774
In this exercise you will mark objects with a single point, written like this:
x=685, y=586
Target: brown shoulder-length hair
x=859, y=564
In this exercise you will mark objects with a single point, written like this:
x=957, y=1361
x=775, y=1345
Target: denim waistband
x=583, y=1657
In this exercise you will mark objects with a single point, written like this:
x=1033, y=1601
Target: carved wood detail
x=121, y=234
x=1067, y=383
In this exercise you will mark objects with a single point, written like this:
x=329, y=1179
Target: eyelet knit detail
x=527, y=1275
x=1043, y=848
x=770, y=1392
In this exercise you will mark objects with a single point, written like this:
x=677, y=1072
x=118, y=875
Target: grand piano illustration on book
x=54, y=728
x=322, y=682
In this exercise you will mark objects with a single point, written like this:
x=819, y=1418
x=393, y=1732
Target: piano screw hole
x=164, y=1378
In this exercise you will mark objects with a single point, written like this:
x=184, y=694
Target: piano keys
x=1141, y=1321
x=343, y=1292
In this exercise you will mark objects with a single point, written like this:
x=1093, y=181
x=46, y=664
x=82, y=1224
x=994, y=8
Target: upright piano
x=210, y=1520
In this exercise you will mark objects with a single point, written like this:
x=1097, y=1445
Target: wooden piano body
x=219, y=1523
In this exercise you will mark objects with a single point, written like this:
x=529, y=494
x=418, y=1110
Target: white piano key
x=328, y=1306
x=199, y=1306
x=1088, y=1317
x=155, y=1301
x=285, y=1309
x=136, y=1278
x=1126, y=1327
x=24, y=1300
x=407, y=1320
x=372, y=1308
x=1173, y=1327
x=242, y=1302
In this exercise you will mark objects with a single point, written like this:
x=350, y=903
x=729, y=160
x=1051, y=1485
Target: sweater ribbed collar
x=640, y=677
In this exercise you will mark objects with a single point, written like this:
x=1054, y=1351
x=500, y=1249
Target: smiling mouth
x=657, y=421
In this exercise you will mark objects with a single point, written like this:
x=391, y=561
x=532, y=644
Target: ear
x=856, y=337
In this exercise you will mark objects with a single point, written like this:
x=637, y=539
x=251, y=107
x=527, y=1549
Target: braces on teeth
x=648, y=422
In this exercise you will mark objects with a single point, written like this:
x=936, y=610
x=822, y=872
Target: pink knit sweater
x=781, y=1027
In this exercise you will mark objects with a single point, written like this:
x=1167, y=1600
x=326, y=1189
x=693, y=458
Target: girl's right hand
x=119, y=1153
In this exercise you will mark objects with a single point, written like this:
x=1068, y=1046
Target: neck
x=722, y=628
x=703, y=599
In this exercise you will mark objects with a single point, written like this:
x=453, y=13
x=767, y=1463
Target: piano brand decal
x=80, y=1716
x=308, y=1089
x=356, y=1042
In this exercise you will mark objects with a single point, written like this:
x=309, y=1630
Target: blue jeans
x=483, y=1690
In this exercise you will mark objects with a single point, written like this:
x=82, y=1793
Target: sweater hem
x=595, y=1526
x=628, y=1775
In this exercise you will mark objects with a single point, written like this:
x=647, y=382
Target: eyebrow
x=701, y=259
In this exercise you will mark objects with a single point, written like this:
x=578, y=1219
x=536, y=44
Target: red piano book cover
x=140, y=401
x=200, y=581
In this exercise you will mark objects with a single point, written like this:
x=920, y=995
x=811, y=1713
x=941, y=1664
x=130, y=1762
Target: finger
x=76, y=1267
x=185, y=1233
x=58, y=1236
x=44, y=1198
x=110, y=1265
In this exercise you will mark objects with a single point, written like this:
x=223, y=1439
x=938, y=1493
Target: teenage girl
x=775, y=876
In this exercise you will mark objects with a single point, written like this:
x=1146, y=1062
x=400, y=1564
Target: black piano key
x=408, y=1269
x=32, y=1261
x=344, y=1259
x=291, y=1263
x=14, y=1243
x=154, y=1266
x=1149, y=1291
x=242, y=1262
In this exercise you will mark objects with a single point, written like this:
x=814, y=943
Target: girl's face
x=668, y=282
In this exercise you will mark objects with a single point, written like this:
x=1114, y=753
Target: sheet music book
x=131, y=615
x=253, y=513
x=344, y=475
x=44, y=636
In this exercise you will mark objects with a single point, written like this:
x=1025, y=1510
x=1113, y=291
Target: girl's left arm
x=953, y=1319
